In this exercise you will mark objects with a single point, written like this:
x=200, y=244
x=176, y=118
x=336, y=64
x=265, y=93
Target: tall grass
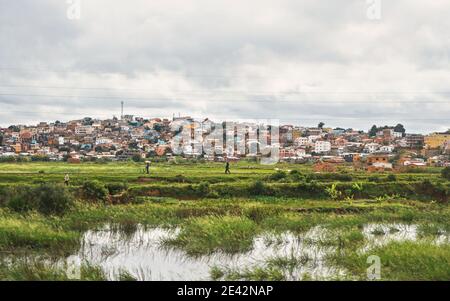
x=21, y=233
x=208, y=234
x=405, y=260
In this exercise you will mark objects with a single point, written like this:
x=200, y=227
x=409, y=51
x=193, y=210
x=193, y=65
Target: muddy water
x=142, y=254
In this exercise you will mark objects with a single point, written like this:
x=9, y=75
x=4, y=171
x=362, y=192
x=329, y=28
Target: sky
x=347, y=63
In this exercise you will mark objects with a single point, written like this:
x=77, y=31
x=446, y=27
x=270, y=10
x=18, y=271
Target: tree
x=1, y=139
x=321, y=124
x=399, y=128
x=373, y=131
x=136, y=158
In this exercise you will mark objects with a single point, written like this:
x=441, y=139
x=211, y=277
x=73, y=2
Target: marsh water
x=142, y=254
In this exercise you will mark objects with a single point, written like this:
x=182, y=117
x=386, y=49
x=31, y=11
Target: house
x=397, y=135
x=161, y=150
x=371, y=147
x=387, y=148
x=324, y=167
x=322, y=146
x=414, y=141
x=301, y=141
x=73, y=160
x=376, y=163
x=415, y=162
x=313, y=138
x=84, y=130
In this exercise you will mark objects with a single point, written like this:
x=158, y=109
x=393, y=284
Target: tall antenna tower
x=121, y=112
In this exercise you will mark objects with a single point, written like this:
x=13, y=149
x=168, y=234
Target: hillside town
x=136, y=138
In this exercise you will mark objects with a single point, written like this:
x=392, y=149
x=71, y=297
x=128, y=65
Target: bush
x=136, y=158
x=94, y=191
x=53, y=199
x=446, y=173
x=391, y=178
x=40, y=158
x=258, y=188
x=203, y=188
x=374, y=179
x=7, y=159
x=45, y=198
x=277, y=176
x=20, y=200
x=296, y=176
x=116, y=188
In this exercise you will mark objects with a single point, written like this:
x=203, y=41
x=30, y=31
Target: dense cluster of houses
x=137, y=138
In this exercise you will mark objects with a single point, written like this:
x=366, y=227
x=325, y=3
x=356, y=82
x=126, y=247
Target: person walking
x=66, y=179
x=147, y=167
x=227, y=168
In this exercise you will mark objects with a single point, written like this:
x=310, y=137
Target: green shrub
x=391, y=178
x=45, y=198
x=374, y=179
x=277, y=176
x=94, y=191
x=40, y=158
x=116, y=188
x=333, y=193
x=257, y=188
x=21, y=201
x=53, y=199
x=296, y=176
x=203, y=188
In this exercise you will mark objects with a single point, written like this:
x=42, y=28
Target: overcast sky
x=300, y=61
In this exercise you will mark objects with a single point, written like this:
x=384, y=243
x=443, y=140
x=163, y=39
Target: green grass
x=402, y=261
x=248, y=274
x=208, y=234
x=224, y=213
x=32, y=233
x=35, y=270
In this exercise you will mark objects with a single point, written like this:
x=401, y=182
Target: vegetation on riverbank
x=214, y=213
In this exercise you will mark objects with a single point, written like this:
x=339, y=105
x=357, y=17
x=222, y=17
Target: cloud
x=298, y=61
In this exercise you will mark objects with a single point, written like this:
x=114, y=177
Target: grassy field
x=344, y=216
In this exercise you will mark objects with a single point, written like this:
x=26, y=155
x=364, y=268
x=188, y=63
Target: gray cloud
x=298, y=61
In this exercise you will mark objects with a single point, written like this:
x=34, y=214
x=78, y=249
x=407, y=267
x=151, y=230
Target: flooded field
x=143, y=254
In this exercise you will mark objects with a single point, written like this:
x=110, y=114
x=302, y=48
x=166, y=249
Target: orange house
x=377, y=159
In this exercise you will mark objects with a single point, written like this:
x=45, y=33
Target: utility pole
x=121, y=112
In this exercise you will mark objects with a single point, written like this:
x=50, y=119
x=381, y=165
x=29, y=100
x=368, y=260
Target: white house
x=322, y=146
x=103, y=141
x=372, y=147
x=301, y=141
x=386, y=149
x=313, y=138
x=397, y=134
x=84, y=130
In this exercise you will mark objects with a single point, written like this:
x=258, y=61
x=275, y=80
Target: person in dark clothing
x=227, y=168
x=147, y=167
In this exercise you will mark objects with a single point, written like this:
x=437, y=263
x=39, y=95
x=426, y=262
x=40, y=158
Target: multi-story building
x=322, y=146
x=414, y=141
